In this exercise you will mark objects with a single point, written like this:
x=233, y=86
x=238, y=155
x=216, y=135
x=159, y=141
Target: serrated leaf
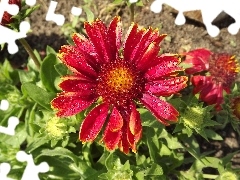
x=113, y=162
x=154, y=170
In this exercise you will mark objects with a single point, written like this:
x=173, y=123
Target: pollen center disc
x=119, y=83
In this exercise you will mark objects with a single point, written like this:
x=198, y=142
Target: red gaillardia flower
x=6, y=19
x=103, y=72
x=221, y=72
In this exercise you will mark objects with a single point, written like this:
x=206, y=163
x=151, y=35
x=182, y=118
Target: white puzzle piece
x=30, y=2
x=7, y=35
x=76, y=11
x=59, y=19
x=4, y=105
x=31, y=171
x=12, y=121
x=12, y=9
x=209, y=9
x=4, y=170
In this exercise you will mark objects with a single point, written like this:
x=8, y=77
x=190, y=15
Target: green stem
x=30, y=52
x=131, y=13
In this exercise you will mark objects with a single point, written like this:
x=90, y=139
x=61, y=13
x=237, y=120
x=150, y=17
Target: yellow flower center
x=119, y=83
x=224, y=69
x=120, y=79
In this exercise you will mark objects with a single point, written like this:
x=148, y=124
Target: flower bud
x=56, y=128
x=194, y=117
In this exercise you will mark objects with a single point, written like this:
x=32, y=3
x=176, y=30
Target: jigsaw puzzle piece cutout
x=9, y=36
x=10, y=129
x=31, y=171
x=59, y=19
x=12, y=9
x=4, y=170
x=76, y=11
x=133, y=1
x=30, y=2
x=209, y=9
x=4, y=105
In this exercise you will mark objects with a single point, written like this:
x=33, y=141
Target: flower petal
x=132, y=38
x=111, y=139
x=115, y=121
x=85, y=46
x=69, y=104
x=137, y=42
x=165, y=65
x=77, y=85
x=135, y=125
x=213, y=94
x=76, y=61
x=97, y=33
x=166, y=87
x=149, y=55
x=93, y=123
x=115, y=35
x=201, y=82
x=143, y=47
x=134, y=132
x=199, y=59
x=124, y=142
x=161, y=110
x=113, y=131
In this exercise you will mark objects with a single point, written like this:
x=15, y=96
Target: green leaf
x=61, y=69
x=48, y=73
x=59, y=151
x=36, y=143
x=26, y=76
x=50, y=50
x=113, y=162
x=148, y=119
x=39, y=95
x=29, y=120
x=90, y=15
x=26, y=12
x=154, y=170
x=61, y=168
x=191, y=145
x=18, y=138
x=213, y=135
x=152, y=142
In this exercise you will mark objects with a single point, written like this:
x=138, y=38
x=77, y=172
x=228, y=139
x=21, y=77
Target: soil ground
x=192, y=35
